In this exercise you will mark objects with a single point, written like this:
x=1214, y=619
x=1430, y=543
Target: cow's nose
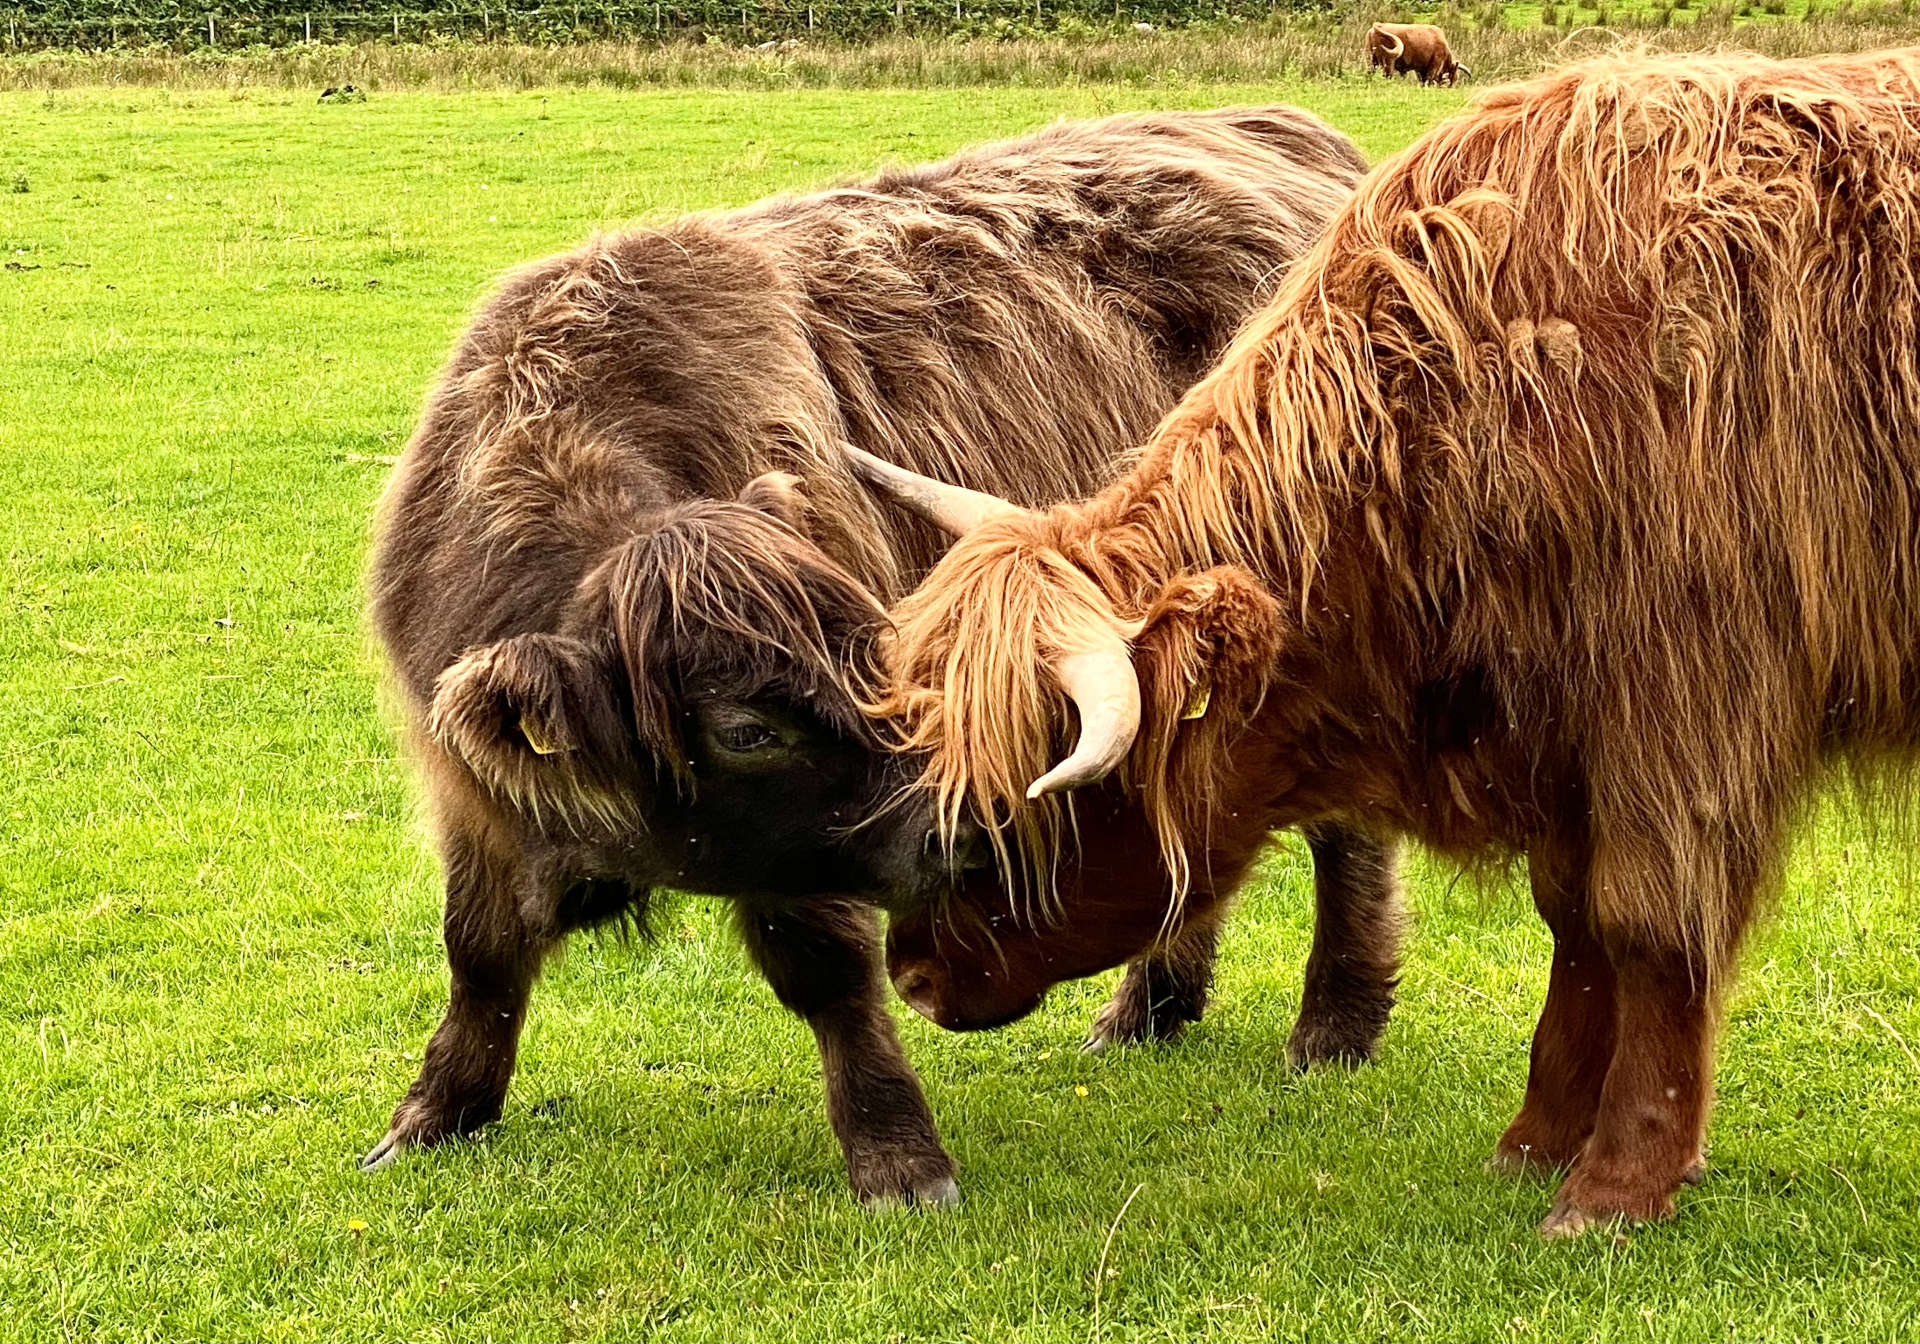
x=916, y=986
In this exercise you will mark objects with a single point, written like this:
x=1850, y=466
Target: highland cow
x=1565, y=503
x=1396, y=48
x=631, y=645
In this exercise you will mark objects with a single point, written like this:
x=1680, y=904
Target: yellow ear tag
x=1197, y=702
x=536, y=739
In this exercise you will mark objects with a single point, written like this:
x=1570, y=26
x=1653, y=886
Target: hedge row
x=183, y=24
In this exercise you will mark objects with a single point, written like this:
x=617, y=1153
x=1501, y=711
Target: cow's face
x=697, y=724
x=986, y=957
x=783, y=790
x=1021, y=640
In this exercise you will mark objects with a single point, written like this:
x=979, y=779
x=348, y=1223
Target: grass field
x=219, y=956
x=1498, y=41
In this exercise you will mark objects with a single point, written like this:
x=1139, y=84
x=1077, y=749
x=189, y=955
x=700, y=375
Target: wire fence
x=754, y=21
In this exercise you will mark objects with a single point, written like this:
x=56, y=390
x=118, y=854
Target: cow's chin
x=979, y=1010
x=959, y=976
x=973, y=960
x=955, y=976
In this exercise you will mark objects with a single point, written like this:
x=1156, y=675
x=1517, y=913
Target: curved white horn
x=953, y=509
x=1103, y=687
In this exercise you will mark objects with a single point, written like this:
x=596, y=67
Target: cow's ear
x=1204, y=656
x=1208, y=644
x=779, y=495
x=509, y=707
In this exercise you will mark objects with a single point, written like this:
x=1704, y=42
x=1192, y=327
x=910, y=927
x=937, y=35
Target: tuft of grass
x=218, y=946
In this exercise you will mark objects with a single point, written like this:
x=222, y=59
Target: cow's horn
x=1103, y=688
x=953, y=509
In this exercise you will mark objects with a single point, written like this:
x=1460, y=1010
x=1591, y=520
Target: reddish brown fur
x=623, y=534
x=1419, y=48
x=1566, y=504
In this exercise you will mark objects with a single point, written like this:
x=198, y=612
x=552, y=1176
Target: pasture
x=219, y=949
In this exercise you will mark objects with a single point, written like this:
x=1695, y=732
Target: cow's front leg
x=1354, y=966
x=1649, y=1127
x=1161, y=992
x=1573, y=1043
x=823, y=961
x=492, y=957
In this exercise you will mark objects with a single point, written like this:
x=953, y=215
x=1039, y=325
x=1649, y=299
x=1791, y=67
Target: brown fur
x=624, y=530
x=1564, y=502
x=1397, y=48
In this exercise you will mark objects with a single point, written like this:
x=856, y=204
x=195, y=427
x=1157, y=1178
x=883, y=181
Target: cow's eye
x=746, y=737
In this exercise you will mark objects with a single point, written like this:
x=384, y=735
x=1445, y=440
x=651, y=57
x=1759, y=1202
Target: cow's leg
x=1573, y=1043
x=493, y=957
x=1162, y=991
x=1649, y=1131
x=1355, y=962
x=1650, y=1125
x=823, y=961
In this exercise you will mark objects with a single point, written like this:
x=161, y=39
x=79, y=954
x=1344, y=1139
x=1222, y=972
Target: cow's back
x=1013, y=318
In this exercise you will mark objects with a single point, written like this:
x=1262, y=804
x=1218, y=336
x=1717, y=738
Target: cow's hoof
x=941, y=1193
x=1520, y=1164
x=1129, y=1018
x=1533, y=1154
x=1588, y=1199
x=916, y=1181
x=1341, y=1044
x=938, y=1195
x=385, y=1151
x=1564, y=1224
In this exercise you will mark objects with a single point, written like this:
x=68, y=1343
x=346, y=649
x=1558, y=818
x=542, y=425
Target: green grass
x=218, y=947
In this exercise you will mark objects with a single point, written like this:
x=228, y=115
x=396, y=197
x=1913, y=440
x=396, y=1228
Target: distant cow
x=631, y=645
x=1397, y=48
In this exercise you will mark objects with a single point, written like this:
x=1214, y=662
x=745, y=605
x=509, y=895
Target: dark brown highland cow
x=630, y=641
x=1565, y=501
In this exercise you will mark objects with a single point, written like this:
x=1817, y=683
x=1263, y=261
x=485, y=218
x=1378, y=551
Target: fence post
x=899, y=13
x=209, y=30
x=309, y=19
x=809, y=18
x=396, y=25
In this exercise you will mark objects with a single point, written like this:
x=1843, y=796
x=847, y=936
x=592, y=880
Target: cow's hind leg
x=823, y=961
x=1161, y=992
x=1355, y=962
x=493, y=958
